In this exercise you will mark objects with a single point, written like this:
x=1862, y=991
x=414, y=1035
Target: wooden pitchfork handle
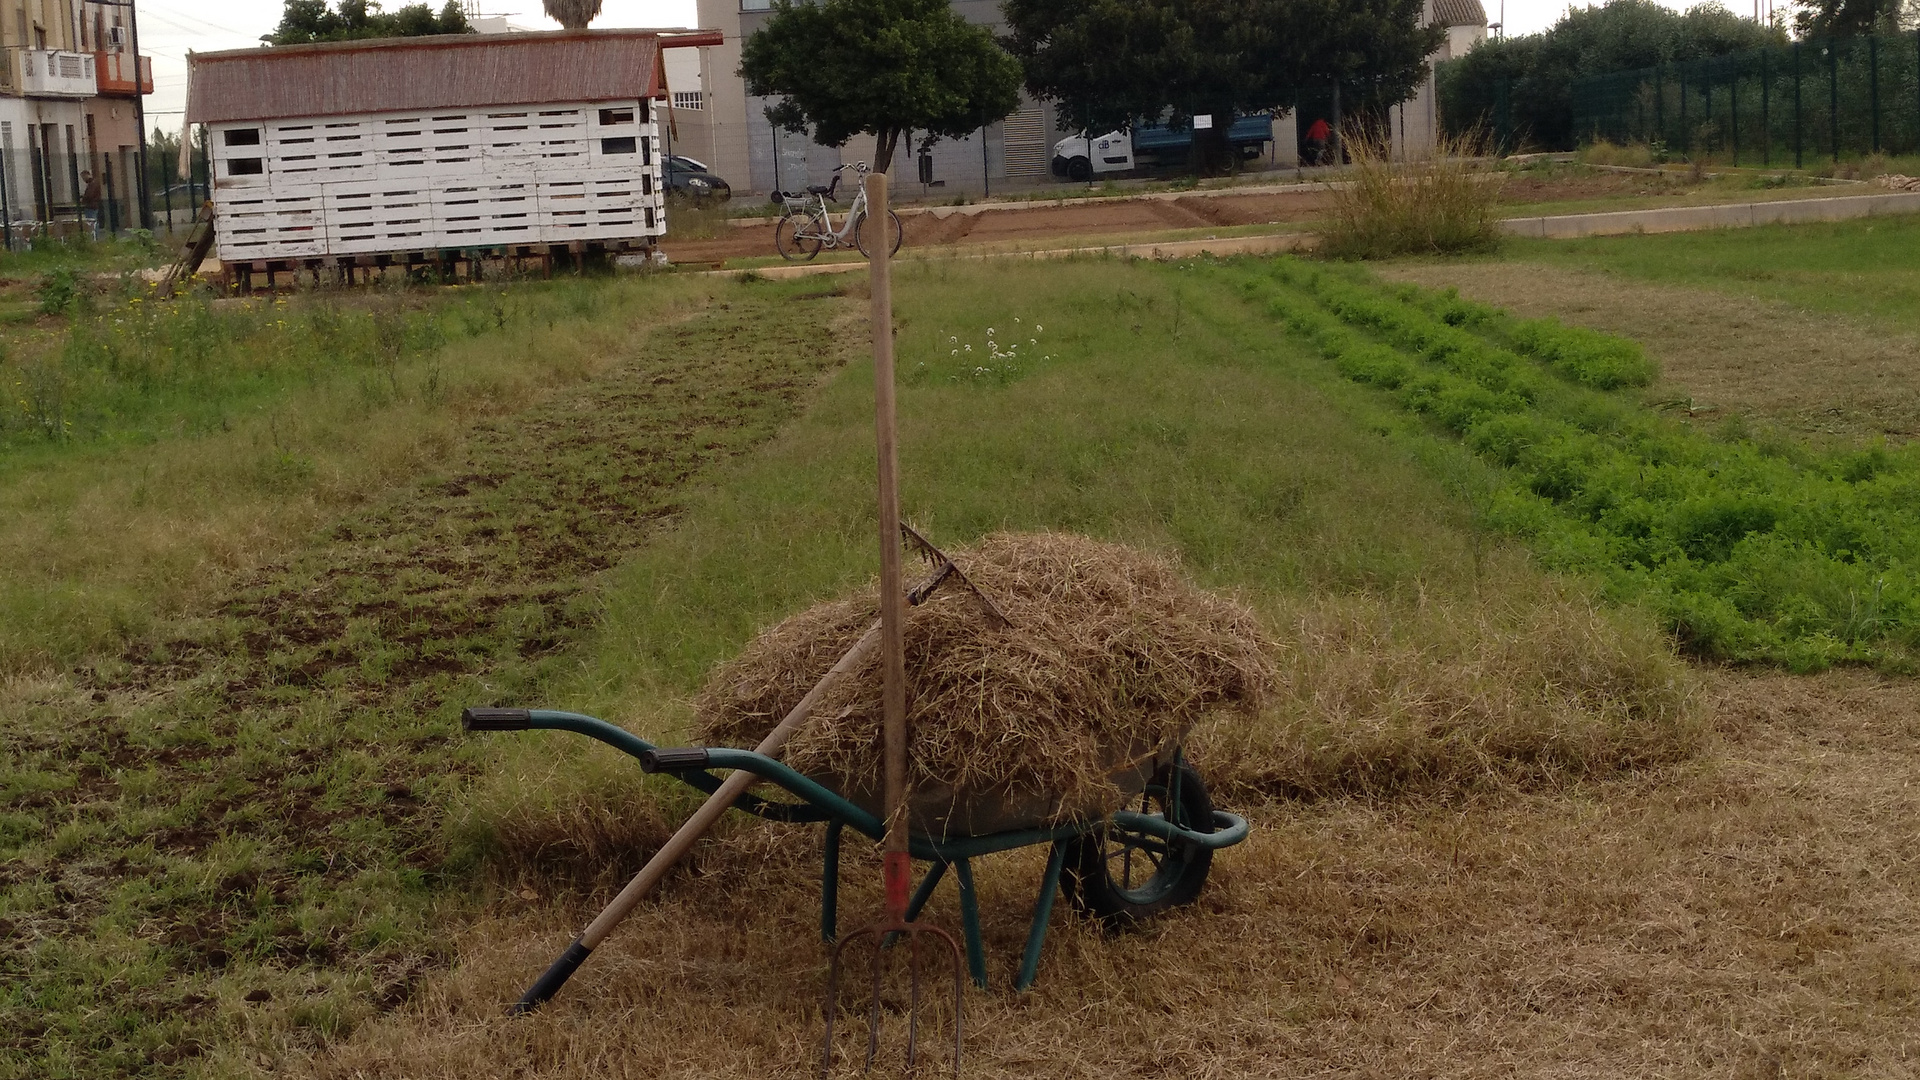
x=682, y=841
x=703, y=819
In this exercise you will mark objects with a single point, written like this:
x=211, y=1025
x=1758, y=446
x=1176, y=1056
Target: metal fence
x=1823, y=97
x=44, y=194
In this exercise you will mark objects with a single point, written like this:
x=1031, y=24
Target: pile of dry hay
x=1111, y=655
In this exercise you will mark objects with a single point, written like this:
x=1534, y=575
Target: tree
x=303, y=21
x=1111, y=63
x=572, y=14
x=1838, y=18
x=1539, y=69
x=880, y=68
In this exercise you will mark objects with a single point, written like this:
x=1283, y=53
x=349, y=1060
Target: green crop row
x=1752, y=550
x=1585, y=356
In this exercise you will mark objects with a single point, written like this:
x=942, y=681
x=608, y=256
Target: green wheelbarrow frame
x=819, y=803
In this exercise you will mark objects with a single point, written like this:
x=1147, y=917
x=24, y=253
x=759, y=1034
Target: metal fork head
x=884, y=936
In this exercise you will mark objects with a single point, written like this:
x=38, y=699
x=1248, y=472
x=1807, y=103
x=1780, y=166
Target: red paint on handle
x=899, y=867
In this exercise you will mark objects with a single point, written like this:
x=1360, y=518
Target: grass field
x=1500, y=827
x=1868, y=269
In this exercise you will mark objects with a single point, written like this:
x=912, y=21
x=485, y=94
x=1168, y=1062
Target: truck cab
x=1082, y=157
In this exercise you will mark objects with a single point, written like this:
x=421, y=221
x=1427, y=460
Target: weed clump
x=1440, y=205
x=1111, y=656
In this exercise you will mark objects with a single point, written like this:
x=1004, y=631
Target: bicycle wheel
x=859, y=234
x=797, y=236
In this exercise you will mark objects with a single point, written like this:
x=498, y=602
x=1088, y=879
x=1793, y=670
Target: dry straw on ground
x=1111, y=654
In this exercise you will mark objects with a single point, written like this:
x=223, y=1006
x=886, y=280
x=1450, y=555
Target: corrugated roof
x=449, y=72
x=1459, y=13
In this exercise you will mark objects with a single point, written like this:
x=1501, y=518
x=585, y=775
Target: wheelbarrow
x=1119, y=868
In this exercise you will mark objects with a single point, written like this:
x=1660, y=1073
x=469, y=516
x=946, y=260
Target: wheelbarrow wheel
x=1122, y=876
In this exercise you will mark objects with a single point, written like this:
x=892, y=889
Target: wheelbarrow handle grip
x=674, y=759
x=549, y=983
x=496, y=719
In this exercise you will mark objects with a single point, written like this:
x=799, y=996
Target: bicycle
x=806, y=226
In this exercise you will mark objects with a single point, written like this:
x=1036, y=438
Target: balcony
x=51, y=73
x=114, y=72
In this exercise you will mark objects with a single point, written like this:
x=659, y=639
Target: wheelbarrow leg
x=1042, y=910
x=925, y=892
x=830, y=886
x=970, y=921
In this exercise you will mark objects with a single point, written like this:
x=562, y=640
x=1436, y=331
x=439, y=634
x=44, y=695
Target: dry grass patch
x=1721, y=355
x=1751, y=914
x=1453, y=698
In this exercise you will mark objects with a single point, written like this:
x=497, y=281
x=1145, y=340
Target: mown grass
x=1868, y=268
x=1150, y=407
x=1752, y=548
x=153, y=450
x=227, y=834
x=1426, y=658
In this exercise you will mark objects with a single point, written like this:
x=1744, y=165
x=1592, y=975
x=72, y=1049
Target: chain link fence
x=1812, y=99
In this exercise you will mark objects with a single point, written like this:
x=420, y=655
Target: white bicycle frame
x=810, y=204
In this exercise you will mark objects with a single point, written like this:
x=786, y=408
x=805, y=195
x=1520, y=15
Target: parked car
x=691, y=179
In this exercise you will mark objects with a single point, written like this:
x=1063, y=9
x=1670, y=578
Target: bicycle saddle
x=825, y=189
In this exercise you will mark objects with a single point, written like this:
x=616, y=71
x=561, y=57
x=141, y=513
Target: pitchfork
x=893, y=925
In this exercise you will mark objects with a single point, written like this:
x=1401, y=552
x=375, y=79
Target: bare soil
x=1093, y=218
x=1720, y=355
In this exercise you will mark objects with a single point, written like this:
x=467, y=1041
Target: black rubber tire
x=860, y=239
x=792, y=247
x=1079, y=170
x=1106, y=878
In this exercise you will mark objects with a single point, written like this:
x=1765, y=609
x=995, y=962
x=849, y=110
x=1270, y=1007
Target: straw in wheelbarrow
x=1109, y=651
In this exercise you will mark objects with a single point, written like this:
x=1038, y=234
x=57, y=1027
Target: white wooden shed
x=403, y=149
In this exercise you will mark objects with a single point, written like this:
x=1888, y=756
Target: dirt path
x=1719, y=354
x=1749, y=914
x=1101, y=218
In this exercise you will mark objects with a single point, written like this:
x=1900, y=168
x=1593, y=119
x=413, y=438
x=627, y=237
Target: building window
x=241, y=137
x=246, y=166
x=624, y=145
x=691, y=100
x=756, y=5
x=610, y=117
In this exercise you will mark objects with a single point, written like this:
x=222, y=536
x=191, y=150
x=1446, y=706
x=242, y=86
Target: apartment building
x=113, y=114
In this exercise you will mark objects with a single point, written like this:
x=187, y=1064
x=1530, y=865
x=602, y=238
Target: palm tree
x=572, y=14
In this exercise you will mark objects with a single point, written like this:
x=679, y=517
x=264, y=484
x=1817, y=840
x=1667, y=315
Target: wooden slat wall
x=331, y=186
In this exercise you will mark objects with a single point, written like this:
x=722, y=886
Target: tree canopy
x=1838, y=18
x=1107, y=63
x=1621, y=36
x=880, y=68
x=312, y=20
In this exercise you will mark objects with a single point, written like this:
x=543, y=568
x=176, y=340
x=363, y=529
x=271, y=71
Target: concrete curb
x=1176, y=249
x=1724, y=216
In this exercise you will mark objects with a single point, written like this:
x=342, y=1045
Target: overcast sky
x=168, y=28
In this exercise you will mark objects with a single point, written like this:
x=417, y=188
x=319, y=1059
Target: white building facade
x=1416, y=121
